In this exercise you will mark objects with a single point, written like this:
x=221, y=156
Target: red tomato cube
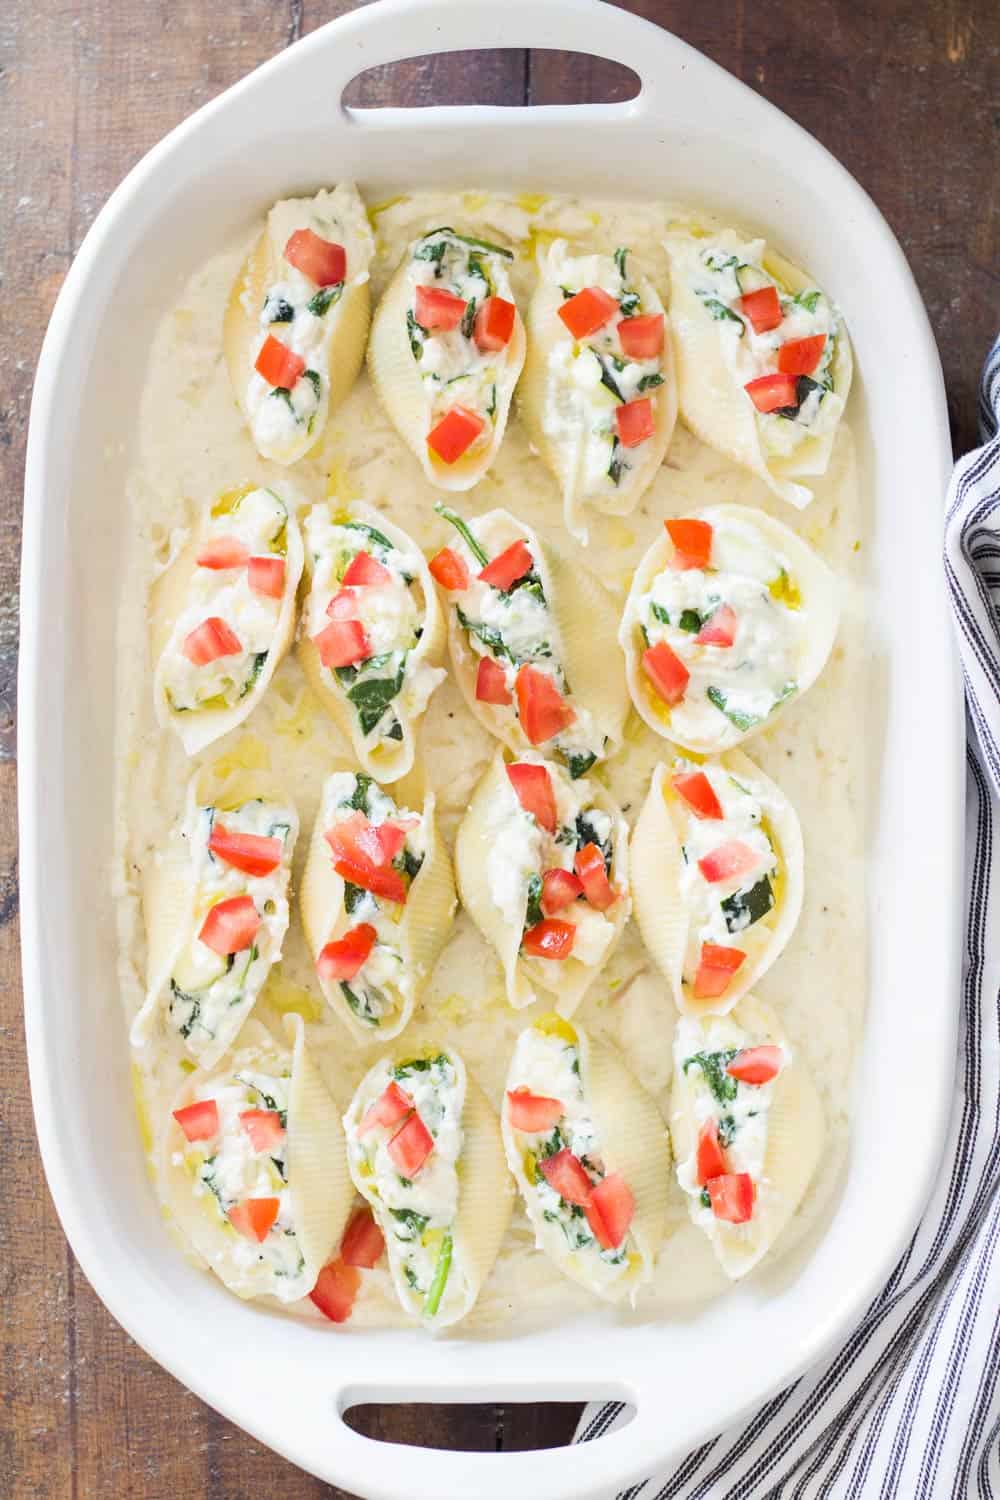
x=365, y=571
x=266, y=576
x=199, y=1121
x=448, y=569
x=732, y=1197
x=597, y=888
x=363, y=1241
x=533, y=1112
x=549, y=938
x=336, y=1287
x=222, y=552
x=509, y=566
x=455, y=433
x=560, y=888
x=264, y=1128
x=342, y=643
x=323, y=261
x=533, y=787
x=757, y=1065
x=210, y=640
x=610, y=1210
x=280, y=366
x=541, y=708
x=692, y=541
x=566, y=1173
x=762, y=308
x=801, y=356
x=491, y=682
x=438, y=310
x=666, y=672
x=696, y=790
x=711, y=1158
x=253, y=1217
x=773, y=392
x=230, y=926
x=588, y=311
x=249, y=852
x=642, y=337
x=494, y=324
x=410, y=1147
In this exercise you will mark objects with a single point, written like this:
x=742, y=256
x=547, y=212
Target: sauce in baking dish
x=192, y=445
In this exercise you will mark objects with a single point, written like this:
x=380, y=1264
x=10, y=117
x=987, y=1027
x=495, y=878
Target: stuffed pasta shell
x=372, y=633
x=255, y=1169
x=377, y=901
x=222, y=615
x=542, y=865
x=216, y=912
x=763, y=359
x=597, y=395
x=590, y=1154
x=532, y=641
x=747, y=1130
x=424, y=1149
x=446, y=351
x=729, y=617
x=297, y=320
x=717, y=877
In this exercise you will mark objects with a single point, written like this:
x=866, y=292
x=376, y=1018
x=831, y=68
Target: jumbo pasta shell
x=713, y=403
x=207, y=1012
x=484, y=1196
x=694, y=724
x=420, y=931
x=384, y=758
x=395, y=374
x=661, y=912
x=569, y=979
x=335, y=352
x=631, y=1140
x=585, y=622
x=319, y=1187
x=562, y=427
x=795, y=1134
x=176, y=595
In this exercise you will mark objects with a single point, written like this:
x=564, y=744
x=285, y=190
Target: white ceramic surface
x=693, y=133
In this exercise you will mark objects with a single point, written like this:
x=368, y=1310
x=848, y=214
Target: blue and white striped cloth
x=909, y=1407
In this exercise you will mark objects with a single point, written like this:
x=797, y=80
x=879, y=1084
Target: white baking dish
x=694, y=134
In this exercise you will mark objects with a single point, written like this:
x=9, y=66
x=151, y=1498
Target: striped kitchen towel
x=909, y=1406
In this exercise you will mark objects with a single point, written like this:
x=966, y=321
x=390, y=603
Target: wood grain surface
x=905, y=92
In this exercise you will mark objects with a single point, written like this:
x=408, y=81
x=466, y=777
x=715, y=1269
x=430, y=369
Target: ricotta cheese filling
x=229, y=1170
x=209, y=992
x=390, y=610
x=748, y=593
x=703, y=1049
x=589, y=378
x=731, y=871
x=548, y=1064
x=418, y=1212
x=730, y=269
x=302, y=315
x=521, y=852
x=256, y=520
x=383, y=984
x=453, y=369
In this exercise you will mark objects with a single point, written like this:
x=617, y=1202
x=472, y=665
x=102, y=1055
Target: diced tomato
x=533, y=1112
x=253, y=1217
x=634, y=422
x=494, y=324
x=509, y=566
x=264, y=1128
x=692, y=541
x=696, y=789
x=336, y=1287
x=343, y=959
x=323, y=261
x=389, y=1108
x=549, y=939
x=249, y=852
x=210, y=640
x=266, y=575
x=199, y=1121
x=456, y=431
x=731, y=1197
x=762, y=308
x=410, y=1147
x=610, y=1210
x=279, y=365
x=448, y=569
x=491, y=682
x=230, y=926
x=222, y=552
x=566, y=1173
x=730, y=861
x=666, y=672
x=438, y=310
x=801, y=356
x=642, y=337
x=719, y=629
x=363, y=853
x=716, y=969
x=588, y=311
x=386, y=883
x=711, y=1158
x=560, y=888
x=363, y=1241
x=771, y=392
x=342, y=643
x=590, y=866
x=756, y=1064
x=365, y=571
x=533, y=787
x=344, y=605
x=541, y=708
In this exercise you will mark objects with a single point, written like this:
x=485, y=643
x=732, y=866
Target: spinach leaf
x=659, y=613
x=726, y=1130
x=359, y=797
x=490, y=638
x=394, y=732
x=467, y=239
x=469, y=318
x=416, y=335
x=617, y=466
x=621, y=257
x=360, y=1004
x=409, y=1220
x=325, y=298
x=432, y=249
x=255, y=671
x=691, y=621
x=808, y=300
x=378, y=537
x=577, y=764
x=713, y=1067
x=721, y=313
x=715, y=263
x=372, y=696
x=629, y=305
x=491, y=410
x=704, y=1199
x=411, y=1276
x=744, y=908
x=552, y=1146
x=353, y=896
x=648, y=382
x=314, y=380
x=734, y=715
x=194, y=1013
x=586, y=834
x=534, y=913
x=464, y=532
x=403, y=1070
x=408, y=863
x=277, y=310
x=607, y=379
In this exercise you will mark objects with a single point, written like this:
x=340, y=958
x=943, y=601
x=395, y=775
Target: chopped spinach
x=360, y=1004
x=586, y=834
x=713, y=1067
x=607, y=379
x=704, y=1199
x=372, y=533
x=573, y=1227
x=721, y=313
x=577, y=764
x=735, y=716
x=255, y=670
x=744, y=908
x=808, y=300
x=416, y=335
x=324, y=299
x=491, y=410
x=411, y=1222
x=649, y=381
x=359, y=797
x=804, y=387
x=489, y=637
x=403, y=1070
x=433, y=1299
x=411, y=1276
x=194, y=1015
x=629, y=304
x=464, y=532
x=534, y=913
x=691, y=621
x=659, y=613
x=353, y=896
x=552, y=1146
x=714, y=263
x=395, y=730
x=432, y=250
x=621, y=258
x=372, y=696
x=469, y=318
x=726, y=1130
x=617, y=466
x=466, y=239
x=314, y=380
x=408, y=863
x=277, y=310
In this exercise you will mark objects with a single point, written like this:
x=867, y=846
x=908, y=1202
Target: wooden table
x=905, y=92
